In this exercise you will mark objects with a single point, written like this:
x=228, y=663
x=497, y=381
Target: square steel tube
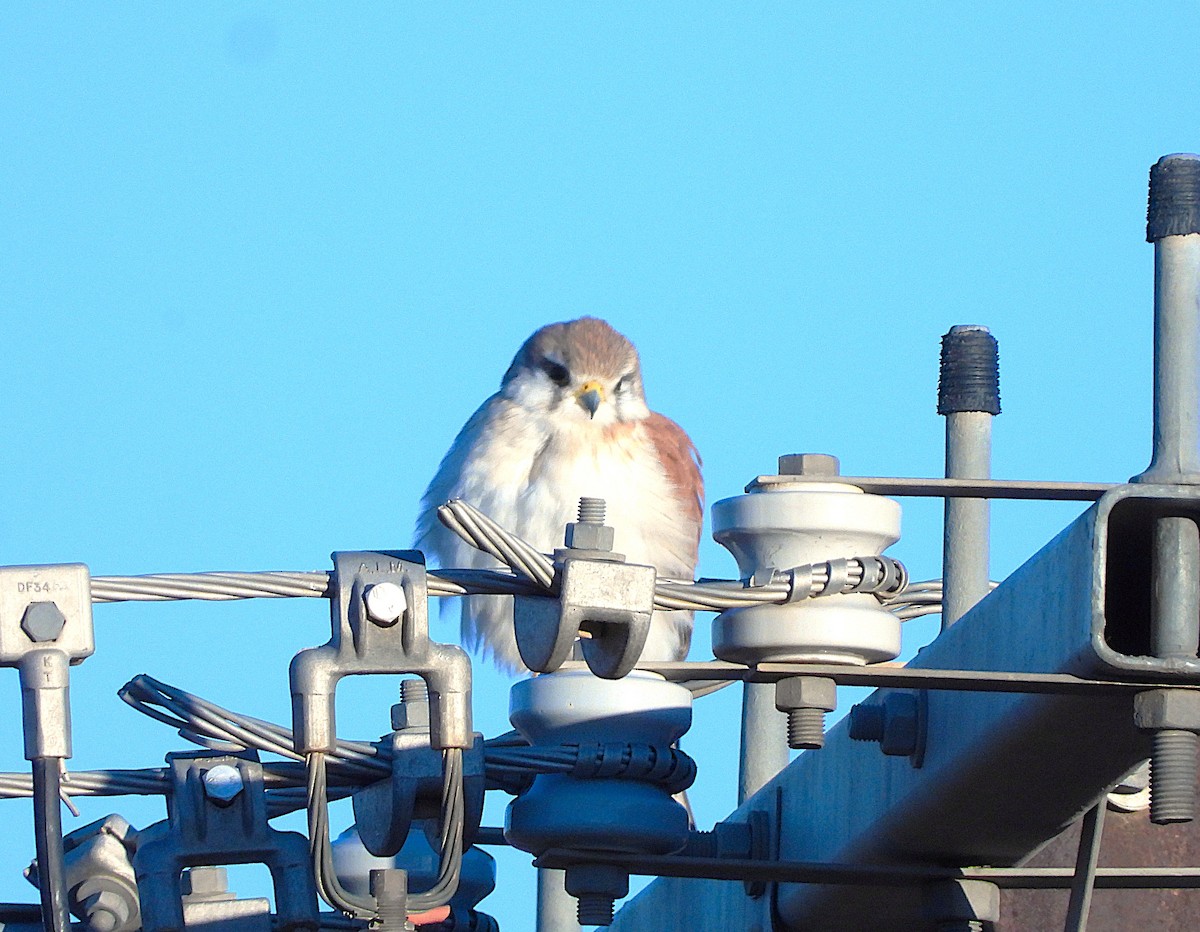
x=1003, y=773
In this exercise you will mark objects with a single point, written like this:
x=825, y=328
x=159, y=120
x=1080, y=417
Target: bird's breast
x=530, y=478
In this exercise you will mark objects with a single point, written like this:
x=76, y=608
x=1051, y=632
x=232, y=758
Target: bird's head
x=581, y=371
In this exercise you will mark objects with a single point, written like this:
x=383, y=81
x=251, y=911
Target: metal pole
x=1173, y=226
x=1088, y=856
x=764, y=739
x=557, y=910
x=1175, y=592
x=969, y=397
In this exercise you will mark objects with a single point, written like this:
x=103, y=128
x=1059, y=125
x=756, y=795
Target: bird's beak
x=590, y=395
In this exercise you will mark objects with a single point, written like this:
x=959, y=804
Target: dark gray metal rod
x=969, y=397
x=1174, y=228
x=934, y=487
x=556, y=908
x=1175, y=599
x=1080, y=903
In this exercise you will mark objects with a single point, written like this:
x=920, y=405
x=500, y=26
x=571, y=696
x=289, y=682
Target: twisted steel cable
x=530, y=573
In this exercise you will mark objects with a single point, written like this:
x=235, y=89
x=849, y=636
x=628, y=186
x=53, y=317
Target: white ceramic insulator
x=793, y=524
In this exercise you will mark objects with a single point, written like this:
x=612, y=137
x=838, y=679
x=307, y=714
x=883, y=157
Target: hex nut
x=1167, y=708
x=222, y=783
x=385, y=603
x=410, y=716
x=205, y=881
x=106, y=911
x=43, y=621
x=584, y=536
x=806, y=692
x=809, y=464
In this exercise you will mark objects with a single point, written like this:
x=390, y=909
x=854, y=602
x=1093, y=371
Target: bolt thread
x=1173, y=776
x=391, y=917
x=591, y=510
x=595, y=909
x=414, y=691
x=866, y=722
x=806, y=728
x=969, y=379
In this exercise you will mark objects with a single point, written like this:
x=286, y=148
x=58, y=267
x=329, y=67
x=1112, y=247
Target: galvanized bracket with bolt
x=385, y=810
x=380, y=619
x=45, y=627
x=217, y=814
x=601, y=595
x=101, y=888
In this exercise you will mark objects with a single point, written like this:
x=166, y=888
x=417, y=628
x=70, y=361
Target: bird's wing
x=431, y=535
x=681, y=463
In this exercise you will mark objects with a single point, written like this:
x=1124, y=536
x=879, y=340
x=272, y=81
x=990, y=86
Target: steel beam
x=1002, y=772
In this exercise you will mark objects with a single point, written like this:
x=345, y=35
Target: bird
x=570, y=420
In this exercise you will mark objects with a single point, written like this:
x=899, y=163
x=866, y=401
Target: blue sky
x=258, y=263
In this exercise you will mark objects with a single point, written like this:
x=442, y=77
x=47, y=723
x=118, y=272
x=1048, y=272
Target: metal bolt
x=1172, y=776
x=414, y=690
x=1173, y=718
x=806, y=699
x=206, y=883
x=866, y=722
x=389, y=887
x=411, y=713
x=43, y=621
x=105, y=911
x=597, y=887
x=385, y=603
x=590, y=532
x=806, y=728
x=591, y=510
x=595, y=909
x=809, y=464
x=894, y=723
x=222, y=783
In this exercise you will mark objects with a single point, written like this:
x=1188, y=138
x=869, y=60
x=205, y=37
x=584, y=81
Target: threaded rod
x=595, y=909
x=806, y=728
x=1173, y=776
x=414, y=691
x=591, y=510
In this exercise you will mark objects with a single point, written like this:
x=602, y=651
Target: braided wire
x=532, y=573
x=320, y=849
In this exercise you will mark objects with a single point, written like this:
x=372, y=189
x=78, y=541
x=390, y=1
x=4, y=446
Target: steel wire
x=529, y=572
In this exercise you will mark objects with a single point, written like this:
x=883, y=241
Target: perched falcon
x=571, y=420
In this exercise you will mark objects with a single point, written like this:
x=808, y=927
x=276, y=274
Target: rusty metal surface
x=1130, y=840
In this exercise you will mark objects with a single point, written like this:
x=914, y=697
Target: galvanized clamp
x=217, y=814
x=45, y=627
x=380, y=619
x=599, y=594
x=385, y=810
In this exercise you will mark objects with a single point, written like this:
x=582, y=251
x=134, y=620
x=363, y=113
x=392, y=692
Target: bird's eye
x=623, y=384
x=557, y=374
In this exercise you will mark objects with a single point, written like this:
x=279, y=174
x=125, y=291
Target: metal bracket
x=364, y=643
x=45, y=607
x=45, y=626
x=384, y=811
x=600, y=595
x=208, y=825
